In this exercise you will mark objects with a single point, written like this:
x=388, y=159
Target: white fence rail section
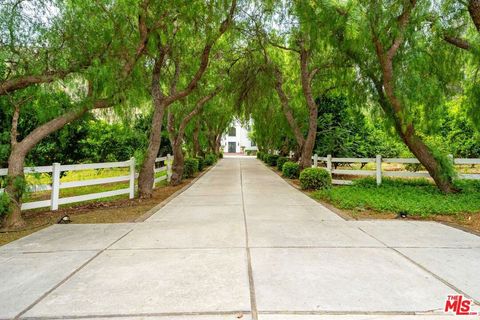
x=378, y=173
x=56, y=169
x=167, y=166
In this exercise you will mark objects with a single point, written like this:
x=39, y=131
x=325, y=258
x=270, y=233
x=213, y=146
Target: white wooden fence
x=55, y=186
x=378, y=173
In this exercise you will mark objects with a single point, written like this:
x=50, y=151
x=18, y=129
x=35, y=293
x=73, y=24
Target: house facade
x=237, y=140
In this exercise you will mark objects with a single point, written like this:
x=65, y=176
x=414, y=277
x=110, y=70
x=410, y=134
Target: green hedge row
x=310, y=178
x=197, y=164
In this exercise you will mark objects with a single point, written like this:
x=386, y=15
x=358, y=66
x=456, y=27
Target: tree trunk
x=474, y=10
x=178, y=164
x=218, y=140
x=14, y=190
x=196, y=141
x=147, y=171
x=424, y=154
x=309, y=142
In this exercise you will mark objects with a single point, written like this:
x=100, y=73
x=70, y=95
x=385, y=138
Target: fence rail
x=163, y=164
x=379, y=172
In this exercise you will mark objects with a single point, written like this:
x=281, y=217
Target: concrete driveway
x=240, y=243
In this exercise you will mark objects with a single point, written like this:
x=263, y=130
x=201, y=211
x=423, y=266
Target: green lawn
x=416, y=197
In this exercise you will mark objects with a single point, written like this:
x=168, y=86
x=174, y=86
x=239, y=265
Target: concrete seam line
x=162, y=204
x=43, y=296
x=445, y=282
x=251, y=284
x=158, y=314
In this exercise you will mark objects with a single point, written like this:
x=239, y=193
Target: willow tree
x=190, y=29
x=178, y=120
x=398, y=61
x=61, y=54
x=298, y=58
x=458, y=24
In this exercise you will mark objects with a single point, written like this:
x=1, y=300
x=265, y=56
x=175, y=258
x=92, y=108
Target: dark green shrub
x=315, y=179
x=272, y=160
x=291, y=170
x=220, y=155
x=259, y=155
x=190, y=167
x=280, y=162
x=201, y=163
x=210, y=159
x=4, y=204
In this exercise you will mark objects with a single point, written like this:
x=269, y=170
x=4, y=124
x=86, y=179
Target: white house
x=237, y=140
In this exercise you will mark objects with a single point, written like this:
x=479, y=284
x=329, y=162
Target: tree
x=400, y=64
x=180, y=34
x=177, y=131
x=66, y=39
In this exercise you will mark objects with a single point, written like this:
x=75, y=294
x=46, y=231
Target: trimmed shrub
x=272, y=160
x=315, y=179
x=4, y=204
x=291, y=170
x=220, y=155
x=259, y=155
x=280, y=162
x=210, y=159
x=201, y=163
x=190, y=167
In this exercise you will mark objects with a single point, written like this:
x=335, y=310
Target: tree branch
x=205, y=57
x=457, y=42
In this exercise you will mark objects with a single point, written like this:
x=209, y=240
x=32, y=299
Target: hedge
x=315, y=179
x=280, y=162
x=291, y=170
x=190, y=167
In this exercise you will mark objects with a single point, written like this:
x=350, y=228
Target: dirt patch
x=114, y=211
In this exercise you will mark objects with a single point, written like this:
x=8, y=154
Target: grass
x=417, y=197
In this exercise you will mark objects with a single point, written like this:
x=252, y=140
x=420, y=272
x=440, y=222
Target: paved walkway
x=240, y=242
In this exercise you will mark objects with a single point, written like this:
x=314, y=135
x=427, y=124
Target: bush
x=291, y=170
x=220, y=155
x=315, y=179
x=4, y=204
x=259, y=155
x=190, y=167
x=272, y=160
x=210, y=159
x=280, y=162
x=201, y=163
x=265, y=156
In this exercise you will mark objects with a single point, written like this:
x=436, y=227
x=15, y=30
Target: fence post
x=55, y=186
x=315, y=160
x=379, y=169
x=132, y=177
x=169, y=167
x=329, y=163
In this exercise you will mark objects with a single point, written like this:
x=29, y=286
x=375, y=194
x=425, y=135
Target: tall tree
x=91, y=87
x=176, y=130
x=397, y=60
x=181, y=34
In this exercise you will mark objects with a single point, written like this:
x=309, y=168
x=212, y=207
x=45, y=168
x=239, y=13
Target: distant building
x=237, y=139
